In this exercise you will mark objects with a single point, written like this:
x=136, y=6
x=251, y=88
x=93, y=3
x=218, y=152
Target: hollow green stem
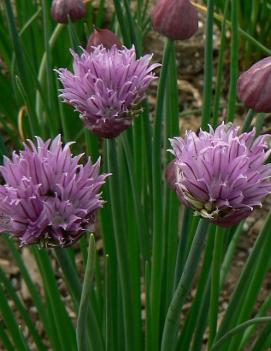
x=240, y=328
x=208, y=66
x=220, y=66
x=172, y=319
x=234, y=60
x=121, y=247
x=249, y=117
x=85, y=310
x=215, y=283
x=158, y=240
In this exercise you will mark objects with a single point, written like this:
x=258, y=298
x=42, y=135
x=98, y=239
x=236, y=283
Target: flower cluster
x=48, y=197
x=106, y=86
x=220, y=174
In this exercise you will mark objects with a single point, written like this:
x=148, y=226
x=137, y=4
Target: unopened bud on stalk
x=62, y=10
x=254, y=86
x=176, y=19
x=103, y=37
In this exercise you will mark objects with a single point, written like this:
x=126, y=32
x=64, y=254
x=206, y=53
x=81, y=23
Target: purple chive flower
x=48, y=197
x=106, y=86
x=221, y=175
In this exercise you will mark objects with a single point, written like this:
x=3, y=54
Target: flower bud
x=103, y=37
x=254, y=86
x=61, y=10
x=176, y=19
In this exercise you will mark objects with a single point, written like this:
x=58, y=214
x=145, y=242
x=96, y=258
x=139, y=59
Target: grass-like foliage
x=170, y=223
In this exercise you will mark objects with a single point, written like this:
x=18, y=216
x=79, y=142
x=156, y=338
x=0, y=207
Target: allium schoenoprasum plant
x=133, y=225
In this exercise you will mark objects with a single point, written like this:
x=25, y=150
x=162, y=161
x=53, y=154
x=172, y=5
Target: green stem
x=226, y=265
x=42, y=70
x=70, y=275
x=182, y=245
x=183, y=288
x=220, y=66
x=241, y=286
x=240, y=328
x=121, y=247
x=249, y=117
x=234, y=60
x=215, y=283
x=208, y=66
x=85, y=309
x=158, y=240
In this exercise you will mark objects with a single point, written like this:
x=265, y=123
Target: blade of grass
x=139, y=215
x=234, y=61
x=230, y=253
x=208, y=66
x=35, y=295
x=248, y=120
x=249, y=332
x=5, y=339
x=236, y=298
x=193, y=322
x=70, y=275
x=252, y=290
x=202, y=318
x=11, y=323
x=23, y=311
x=239, y=329
x=172, y=319
x=121, y=245
x=220, y=66
x=85, y=310
x=215, y=284
x=109, y=343
x=122, y=24
x=182, y=245
x=60, y=315
x=51, y=88
x=171, y=202
x=32, y=120
x=158, y=240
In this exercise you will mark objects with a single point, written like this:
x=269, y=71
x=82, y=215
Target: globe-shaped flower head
x=220, y=174
x=106, y=86
x=48, y=197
